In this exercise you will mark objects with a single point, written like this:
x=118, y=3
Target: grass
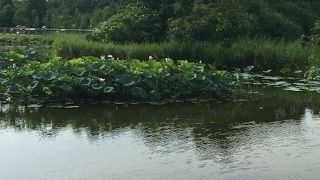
x=282, y=57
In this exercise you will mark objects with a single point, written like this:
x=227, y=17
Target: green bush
x=212, y=22
x=314, y=38
x=135, y=23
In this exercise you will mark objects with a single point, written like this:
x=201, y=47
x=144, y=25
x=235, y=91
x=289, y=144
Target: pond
x=276, y=135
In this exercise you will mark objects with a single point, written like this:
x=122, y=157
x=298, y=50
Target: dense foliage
x=90, y=78
x=135, y=23
x=155, y=20
x=314, y=38
x=281, y=57
x=6, y=13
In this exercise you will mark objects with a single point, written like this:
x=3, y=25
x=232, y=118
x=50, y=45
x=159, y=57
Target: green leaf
x=107, y=71
x=4, y=81
x=267, y=71
x=295, y=89
x=155, y=95
x=13, y=89
x=80, y=73
x=213, y=87
x=96, y=66
x=199, y=68
x=129, y=81
x=97, y=86
x=190, y=76
x=151, y=83
x=85, y=82
x=48, y=76
x=108, y=90
x=47, y=90
x=249, y=68
x=32, y=86
x=65, y=87
x=139, y=92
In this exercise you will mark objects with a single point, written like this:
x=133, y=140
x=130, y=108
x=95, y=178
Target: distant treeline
x=158, y=20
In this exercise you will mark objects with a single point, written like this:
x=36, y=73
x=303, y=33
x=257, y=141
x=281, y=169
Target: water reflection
x=232, y=139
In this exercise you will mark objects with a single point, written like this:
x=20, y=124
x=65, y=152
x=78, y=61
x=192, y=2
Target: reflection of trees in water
x=216, y=128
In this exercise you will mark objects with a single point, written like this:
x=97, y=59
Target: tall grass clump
x=265, y=54
x=70, y=46
x=280, y=56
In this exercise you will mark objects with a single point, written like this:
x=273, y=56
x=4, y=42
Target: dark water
x=276, y=136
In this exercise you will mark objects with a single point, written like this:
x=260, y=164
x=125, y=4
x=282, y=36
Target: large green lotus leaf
x=47, y=90
x=248, y=68
x=4, y=81
x=65, y=86
x=272, y=78
x=36, y=76
x=154, y=63
x=190, y=76
x=151, y=83
x=97, y=86
x=48, y=76
x=80, y=73
x=129, y=80
x=166, y=74
x=148, y=75
x=108, y=90
x=213, y=86
x=107, y=71
x=15, y=55
x=199, y=68
x=97, y=66
x=155, y=95
x=31, y=52
x=139, y=92
x=13, y=89
x=85, y=82
x=292, y=88
x=64, y=69
x=76, y=61
x=32, y=86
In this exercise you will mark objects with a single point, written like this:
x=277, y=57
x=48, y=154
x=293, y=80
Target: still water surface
x=276, y=136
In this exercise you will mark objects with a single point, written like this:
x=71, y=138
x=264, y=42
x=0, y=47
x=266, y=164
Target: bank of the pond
x=284, y=58
x=281, y=57
x=29, y=76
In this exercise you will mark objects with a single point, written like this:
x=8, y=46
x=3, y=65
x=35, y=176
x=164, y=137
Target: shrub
x=135, y=23
x=212, y=22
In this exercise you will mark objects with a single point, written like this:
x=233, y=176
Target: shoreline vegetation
x=32, y=76
x=285, y=58
x=57, y=68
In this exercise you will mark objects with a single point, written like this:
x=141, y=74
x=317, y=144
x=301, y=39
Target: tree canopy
x=157, y=20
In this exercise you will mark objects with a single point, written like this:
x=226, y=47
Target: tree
x=214, y=21
x=6, y=13
x=31, y=13
x=314, y=38
x=135, y=23
x=5, y=2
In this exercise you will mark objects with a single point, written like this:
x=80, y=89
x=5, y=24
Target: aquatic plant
x=92, y=78
x=283, y=57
